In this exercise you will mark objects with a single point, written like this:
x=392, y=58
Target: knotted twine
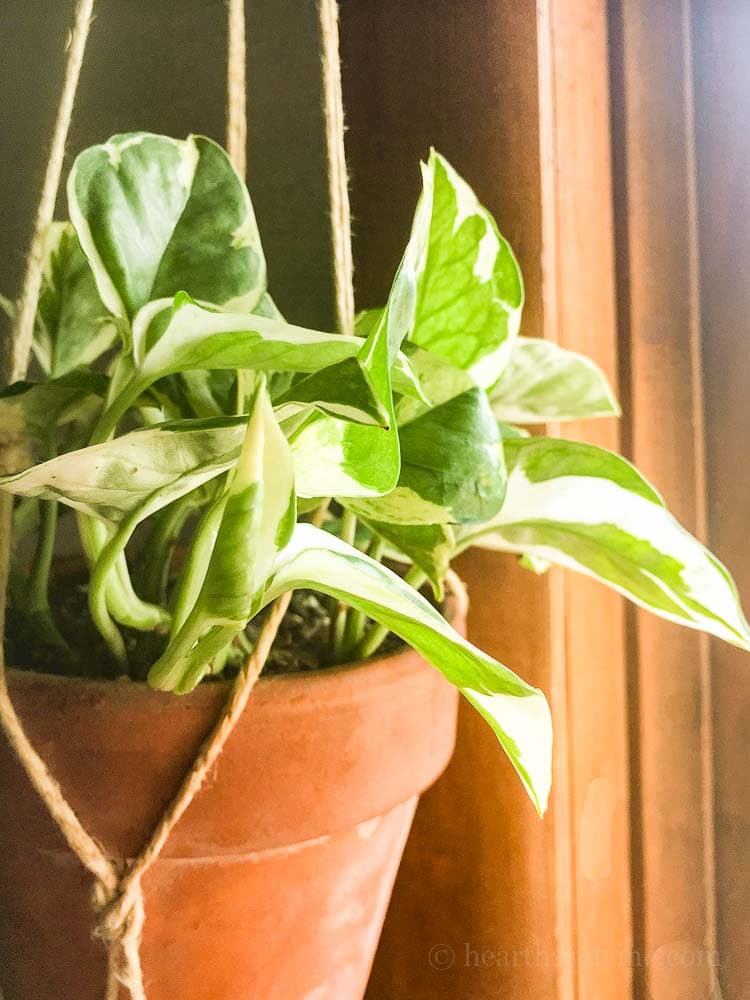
x=117, y=895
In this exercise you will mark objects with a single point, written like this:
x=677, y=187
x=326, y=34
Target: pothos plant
x=195, y=433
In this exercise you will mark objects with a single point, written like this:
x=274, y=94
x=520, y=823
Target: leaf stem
x=377, y=635
x=157, y=557
x=113, y=414
x=356, y=619
x=38, y=593
x=340, y=611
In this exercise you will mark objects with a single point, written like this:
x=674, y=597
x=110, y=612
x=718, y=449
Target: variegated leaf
x=181, y=337
x=73, y=326
x=580, y=506
x=258, y=514
x=156, y=216
x=112, y=479
x=469, y=287
x=517, y=713
x=543, y=382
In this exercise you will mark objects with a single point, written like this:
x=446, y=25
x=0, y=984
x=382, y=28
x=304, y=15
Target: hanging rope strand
x=79, y=840
x=338, y=182
x=237, y=87
x=24, y=327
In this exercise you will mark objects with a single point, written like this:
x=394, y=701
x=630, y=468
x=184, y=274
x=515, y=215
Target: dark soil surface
x=301, y=644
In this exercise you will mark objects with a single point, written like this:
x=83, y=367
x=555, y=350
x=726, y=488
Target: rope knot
x=115, y=908
x=119, y=916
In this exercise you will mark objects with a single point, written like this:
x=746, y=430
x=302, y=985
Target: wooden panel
x=580, y=314
x=722, y=91
x=495, y=87
x=672, y=843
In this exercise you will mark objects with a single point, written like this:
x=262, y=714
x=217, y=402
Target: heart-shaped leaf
x=157, y=215
x=452, y=469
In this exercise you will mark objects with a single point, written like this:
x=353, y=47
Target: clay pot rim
x=385, y=668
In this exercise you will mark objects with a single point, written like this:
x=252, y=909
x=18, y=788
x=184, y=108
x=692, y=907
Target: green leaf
x=517, y=713
x=543, y=382
x=258, y=513
x=157, y=215
x=338, y=390
x=452, y=469
x=358, y=460
x=439, y=381
x=73, y=326
x=580, y=506
x=469, y=291
x=170, y=339
x=112, y=479
x=428, y=546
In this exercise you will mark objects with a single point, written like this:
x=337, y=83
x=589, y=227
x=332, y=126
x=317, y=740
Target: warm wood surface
x=670, y=714
x=530, y=910
x=580, y=315
x=722, y=90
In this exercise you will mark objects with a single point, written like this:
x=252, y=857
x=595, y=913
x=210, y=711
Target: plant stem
x=374, y=639
x=157, y=557
x=340, y=611
x=38, y=593
x=113, y=414
x=356, y=619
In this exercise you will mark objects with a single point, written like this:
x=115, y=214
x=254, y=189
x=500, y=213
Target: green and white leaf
x=258, y=514
x=110, y=480
x=469, y=288
x=439, y=381
x=181, y=337
x=452, y=468
x=430, y=547
x=517, y=713
x=543, y=382
x=73, y=326
x=359, y=460
x=580, y=506
x=334, y=458
x=156, y=216
x=32, y=412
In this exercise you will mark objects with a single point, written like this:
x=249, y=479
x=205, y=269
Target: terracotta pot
x=275, y=883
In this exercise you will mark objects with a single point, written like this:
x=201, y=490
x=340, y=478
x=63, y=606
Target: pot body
x=275, y=883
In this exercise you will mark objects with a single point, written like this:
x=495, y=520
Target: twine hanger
x=117, y=895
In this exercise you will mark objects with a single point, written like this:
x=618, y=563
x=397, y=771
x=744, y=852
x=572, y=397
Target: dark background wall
x=161, y=66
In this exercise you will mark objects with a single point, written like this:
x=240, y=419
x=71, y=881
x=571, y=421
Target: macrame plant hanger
x=117, y=897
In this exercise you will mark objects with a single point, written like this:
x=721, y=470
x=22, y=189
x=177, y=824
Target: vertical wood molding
x=722, y=93
x=580, y=313
x=530, y=910
x=659, y=322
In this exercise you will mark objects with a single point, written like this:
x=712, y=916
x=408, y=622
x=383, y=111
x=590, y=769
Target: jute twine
x=117, y=895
